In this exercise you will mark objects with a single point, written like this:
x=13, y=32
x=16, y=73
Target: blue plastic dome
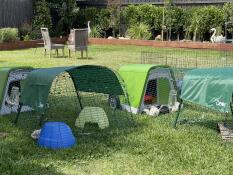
x=56, y=135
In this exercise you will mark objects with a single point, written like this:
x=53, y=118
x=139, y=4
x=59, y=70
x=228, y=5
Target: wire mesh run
x=192, y=58
x=182, y=60
x=92, y=109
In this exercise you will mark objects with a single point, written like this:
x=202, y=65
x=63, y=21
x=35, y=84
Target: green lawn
x=151, y=146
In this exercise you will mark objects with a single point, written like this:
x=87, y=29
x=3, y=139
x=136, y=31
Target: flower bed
x=168, y=44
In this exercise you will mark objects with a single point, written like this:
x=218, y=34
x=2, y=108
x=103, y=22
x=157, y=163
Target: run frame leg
x=178, y=114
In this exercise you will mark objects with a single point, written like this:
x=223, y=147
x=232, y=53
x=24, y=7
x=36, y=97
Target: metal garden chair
x=80, y=42
x=48, y=45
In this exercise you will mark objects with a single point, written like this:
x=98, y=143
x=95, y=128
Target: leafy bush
x=24, y=31
x=26, y=38
x=95, y=32
x=8, y=34
x=203, y=19
x=104, y=19
x=42, y=16
x=139, y=31
x=97, y=17
x=147, y=14
x=67, y=11
x=194, y=22
x=228, y=15
x=35, y=34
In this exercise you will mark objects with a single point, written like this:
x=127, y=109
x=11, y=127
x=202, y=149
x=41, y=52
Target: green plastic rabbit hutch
x=11, y=81
x=148, y=86
x=209, y=88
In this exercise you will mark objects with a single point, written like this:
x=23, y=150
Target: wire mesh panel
x=100, y=91
x=63, y=103
x=182, y=60
x=87, y=97
x=192, y=58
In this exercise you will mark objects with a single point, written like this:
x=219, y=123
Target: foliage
x=24, y=31
x=115, y=13
x=95, y=32
x=148, y=14
x=228, y=11
x=158, y=18
x=91, y=14
x=104, y=20
x=228, y=14
x=84, y=15
x=8, y=34
x=203, y=19
x=176, y=19
x=42, y=16
x=67, y=11
x=26, y=37
x=194, y=22
x=139, y=31
x=130, y=15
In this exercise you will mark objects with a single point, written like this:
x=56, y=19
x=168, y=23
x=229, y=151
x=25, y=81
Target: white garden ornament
x=217, y=39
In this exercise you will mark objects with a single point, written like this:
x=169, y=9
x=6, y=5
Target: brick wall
x=28, y=44
x=168, y=44
x=172, y=44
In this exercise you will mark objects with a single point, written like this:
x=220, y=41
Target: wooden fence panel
x=13, y=13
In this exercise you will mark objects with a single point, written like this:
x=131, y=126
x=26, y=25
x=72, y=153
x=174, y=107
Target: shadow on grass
x=60, y=56
x=90, y=142
x=200, y=122
x=201, y=116
x=19, y=154
x=84, y=58
x=25, y=167
x=98, y=144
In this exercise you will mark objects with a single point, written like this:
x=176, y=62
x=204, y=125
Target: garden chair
x=80, y=41
x=48, y=45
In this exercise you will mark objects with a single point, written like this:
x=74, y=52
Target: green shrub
x=8, y=34
x=35, y=34
x=42, y=16
x=139, y=31
x=95, y=32
x=26, y=38
x=228, y=14
x=24, y=31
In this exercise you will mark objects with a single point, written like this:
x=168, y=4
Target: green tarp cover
x=4, y=74
x=135, y=78
x=210, y=87
x=86, y=78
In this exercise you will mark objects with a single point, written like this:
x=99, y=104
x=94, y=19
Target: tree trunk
x=170, y=33
x=113, y=33
x=195, y=35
